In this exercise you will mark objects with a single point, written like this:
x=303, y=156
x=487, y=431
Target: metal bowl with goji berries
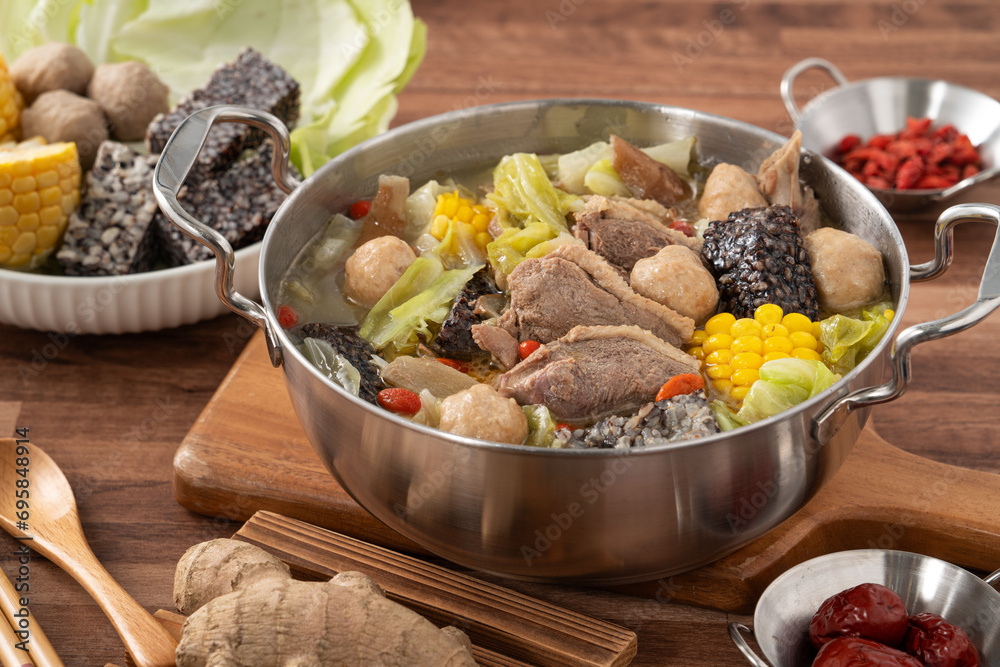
x=915, y=143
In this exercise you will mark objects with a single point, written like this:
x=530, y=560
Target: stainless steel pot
x=556, y=515
x=925, y=584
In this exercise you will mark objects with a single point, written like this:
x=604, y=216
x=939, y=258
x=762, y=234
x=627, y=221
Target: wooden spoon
x=53, y=530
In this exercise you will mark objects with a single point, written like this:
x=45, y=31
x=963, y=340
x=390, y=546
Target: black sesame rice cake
x=112, y=231
x=251, y=81
x=239, y=204
x=757, y=257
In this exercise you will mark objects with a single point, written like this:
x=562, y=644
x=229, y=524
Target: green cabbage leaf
x=847, y=341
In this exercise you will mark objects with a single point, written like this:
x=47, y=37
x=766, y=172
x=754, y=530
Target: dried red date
x=939, y=643
x=871, y=611
x=854, y=652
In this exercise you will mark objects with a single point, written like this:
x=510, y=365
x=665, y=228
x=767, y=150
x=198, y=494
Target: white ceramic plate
x=121, y=304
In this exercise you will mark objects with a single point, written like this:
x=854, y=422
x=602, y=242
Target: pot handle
x=788, y=80
x=831, y=418
x=176, y=160
x=736, y=631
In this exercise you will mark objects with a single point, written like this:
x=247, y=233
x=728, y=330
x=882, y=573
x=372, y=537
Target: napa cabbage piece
x=419, y=300
x=350, y=58
x=602, y=179
x=524, y=194
x=847, y=341
x=331, y=364
x=783, y=383
x=458, y=248
x=541, y=426
x=514, y=245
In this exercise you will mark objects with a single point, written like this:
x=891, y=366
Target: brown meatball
x=131, y=95
x=676, y=278
x=53, y=66
x=375, y=267
x=847, y=269
x=60, y=115
x=728, y=188
x=480, y=412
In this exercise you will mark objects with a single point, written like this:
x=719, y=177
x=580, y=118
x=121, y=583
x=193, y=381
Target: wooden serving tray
x=248, y=453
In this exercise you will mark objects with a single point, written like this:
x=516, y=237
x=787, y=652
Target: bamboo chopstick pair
x=40, y=652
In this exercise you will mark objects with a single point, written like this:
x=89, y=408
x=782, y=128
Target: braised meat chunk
x=623, y=233
x=729, y=188
x=573, y=286
x=592, y=372
x=645, y=177
x=758, y=256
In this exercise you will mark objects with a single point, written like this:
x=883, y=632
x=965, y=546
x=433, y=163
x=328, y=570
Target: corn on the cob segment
x=39, y=188
x=452, y=208
x=11, y=104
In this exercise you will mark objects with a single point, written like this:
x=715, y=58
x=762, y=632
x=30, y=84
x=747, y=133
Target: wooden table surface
x=111, y=410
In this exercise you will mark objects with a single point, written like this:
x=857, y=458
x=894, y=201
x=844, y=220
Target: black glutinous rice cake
x=354, y=348
x=112, y=231
x=239, y=204
x=757, y=257
x=251, y=81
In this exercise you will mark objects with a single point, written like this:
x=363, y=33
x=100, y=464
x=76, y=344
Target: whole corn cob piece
x=11, y=104
x=39, y=188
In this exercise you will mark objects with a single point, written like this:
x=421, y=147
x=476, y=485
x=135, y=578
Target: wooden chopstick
x=496, y=618
x=41, y=651
x=10, y=655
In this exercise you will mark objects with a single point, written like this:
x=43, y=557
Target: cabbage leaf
x=848, y=340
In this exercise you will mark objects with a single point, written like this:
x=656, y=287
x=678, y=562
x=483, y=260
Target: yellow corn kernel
x=746, y=360
x=778, y=344
x=717, y=341
x=451, y=206
x=745, y=376
x=797, y=322
x=775, y=330
x=745, y=327
x=482, y=239
x=439, y=227
x=719, y=372
x=720, y=323
x=11, y=104
x=697, y=353
x=721, y=356
x=35, y=207
x=806, y=353
x=747, y=344
x=481, y=221
x=817, y=330
x=771, y=356
x=464, y=213
x=803, y=339
x=740, y=392
x=769, y=313
x=722, y=386
x=698, y=337
x=889, y=314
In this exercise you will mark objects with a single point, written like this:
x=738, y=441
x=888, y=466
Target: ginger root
x=269, y=619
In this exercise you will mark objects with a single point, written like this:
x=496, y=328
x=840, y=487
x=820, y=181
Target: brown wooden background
x=112, y=410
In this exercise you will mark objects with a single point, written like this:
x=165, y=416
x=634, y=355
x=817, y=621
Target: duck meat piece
x=251, y=81
x=455, y=339
x=574, y=286
x=729, y=188
x=592, y=372
x=778, y=180
x=497, y=342
x=645, y=177
x=354, y=348
x=758, y=256
x=683, y=417
x=623, y=234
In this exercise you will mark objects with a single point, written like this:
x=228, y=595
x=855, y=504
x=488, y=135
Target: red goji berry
x=360, y=208
x=525, y=349
x=563, y=425
x=457, y=365
x=682, y=226
x=287, y=317
x=969, y=170
x=909, y=173
x=399, y=400
x=849, y=143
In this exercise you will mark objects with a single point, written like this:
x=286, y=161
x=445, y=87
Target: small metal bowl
x=781, y=619
x=881, y=106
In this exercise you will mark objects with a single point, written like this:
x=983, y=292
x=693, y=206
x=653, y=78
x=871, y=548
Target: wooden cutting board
x=247, y=453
